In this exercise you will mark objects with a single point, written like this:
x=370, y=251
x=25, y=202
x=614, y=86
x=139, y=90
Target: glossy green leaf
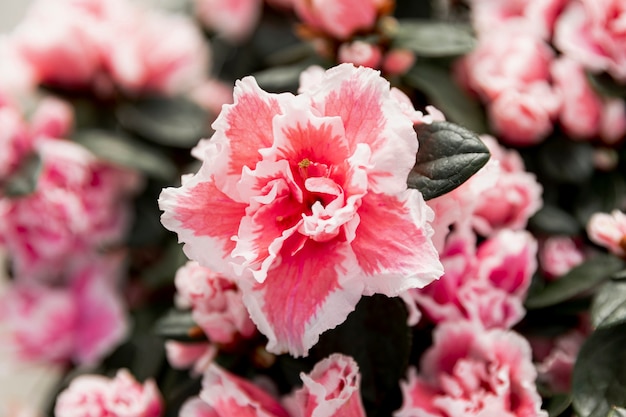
x=24, y=180
x=429, y=38
x=444, y=93
x=448, y=155
x=174, y=122
x=557, y=404
x=579, y=280
x=609, y=304
x=127, y=152
x=281, y=79
x=599, y=377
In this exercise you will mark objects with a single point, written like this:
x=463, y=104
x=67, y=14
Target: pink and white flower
x=470, y=371
x=224, y=395
x=290, y=200
x=216, y=302
x=609, y=231
x=81, y=322
x=121, y=396
x=558, y=255
x=331, y=389
x=360, y=53
x=15, y=140
x=555, y=370
x=513, y=199
x=485, y=285
x=339, y=18
x=592, y=33
x=85, y=202
x=235, y=20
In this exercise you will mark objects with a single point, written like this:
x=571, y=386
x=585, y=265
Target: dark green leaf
x=178, y=325
x=566, y=161
x=448, y=155
x=24, y=180
x=163, y=272
x=609, y=304
x=554, y=221
x=428, y=38
x=580, y=279
x=127, y=152
x=558, y=404
x=167, y=121
x=599, y=378
x=603, y=193
x=605, y=85
x=437, y=84
x=377, y=337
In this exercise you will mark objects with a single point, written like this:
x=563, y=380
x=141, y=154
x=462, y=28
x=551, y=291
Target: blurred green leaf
x=448, y=155
x=174, y=122
x=281, y=79
x=605, y=85
x=557, y=404
x=178, y=325
x=609, y=304
x=163, y=272
x=376, y=335
x=566, y=161
x=577, y=281
x=617, y=412
x=603, y=193
x=127, y=152
x=24, y=180
x=429, y=38
x=444, y=93
x=599, y=377
x=554, y=221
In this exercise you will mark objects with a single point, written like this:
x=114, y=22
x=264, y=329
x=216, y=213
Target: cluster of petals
x=592, y=33
x=558, y=255
x=79, y=322
x=556, y=368
x=331, y=389
x=111, y=44
x=486, y=285
x=471, y=371
x=584, y=113
x=488, y=15
x=609, y=231
x=85, y=202
x=235, y=20
x=121, y=396
x=311, y=202
x=15, y=140
x=361, y=53
x=340, y=19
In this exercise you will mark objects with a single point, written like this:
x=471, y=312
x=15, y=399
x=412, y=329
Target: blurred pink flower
x=15, y=140
x=225, y=395
x=86, y=205
x=197, y=355
x=17, y=76
x=510, y=61
x=122, y=396
x=609, y=231
x=398, y=61
x=339, y=18
x=523, y=117
x=513, y=199
x=331, y=389
x=81, y=322
x=613, y=123
x=558, y=255
x=235, y=20
x=493, y=15
x=360, y=53
x=470, y=371
x=296, y=183
x=212, y=95
x=53, y=118
x=592, y=33
x=485, y=285
x=555, y=370
x=216, y=302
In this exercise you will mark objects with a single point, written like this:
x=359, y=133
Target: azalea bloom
x=609, y=231
x=470, y=371
x=304, y=200
x=122, y=396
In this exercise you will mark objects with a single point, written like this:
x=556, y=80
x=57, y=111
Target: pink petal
x=393, y=243
x=306, y=294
